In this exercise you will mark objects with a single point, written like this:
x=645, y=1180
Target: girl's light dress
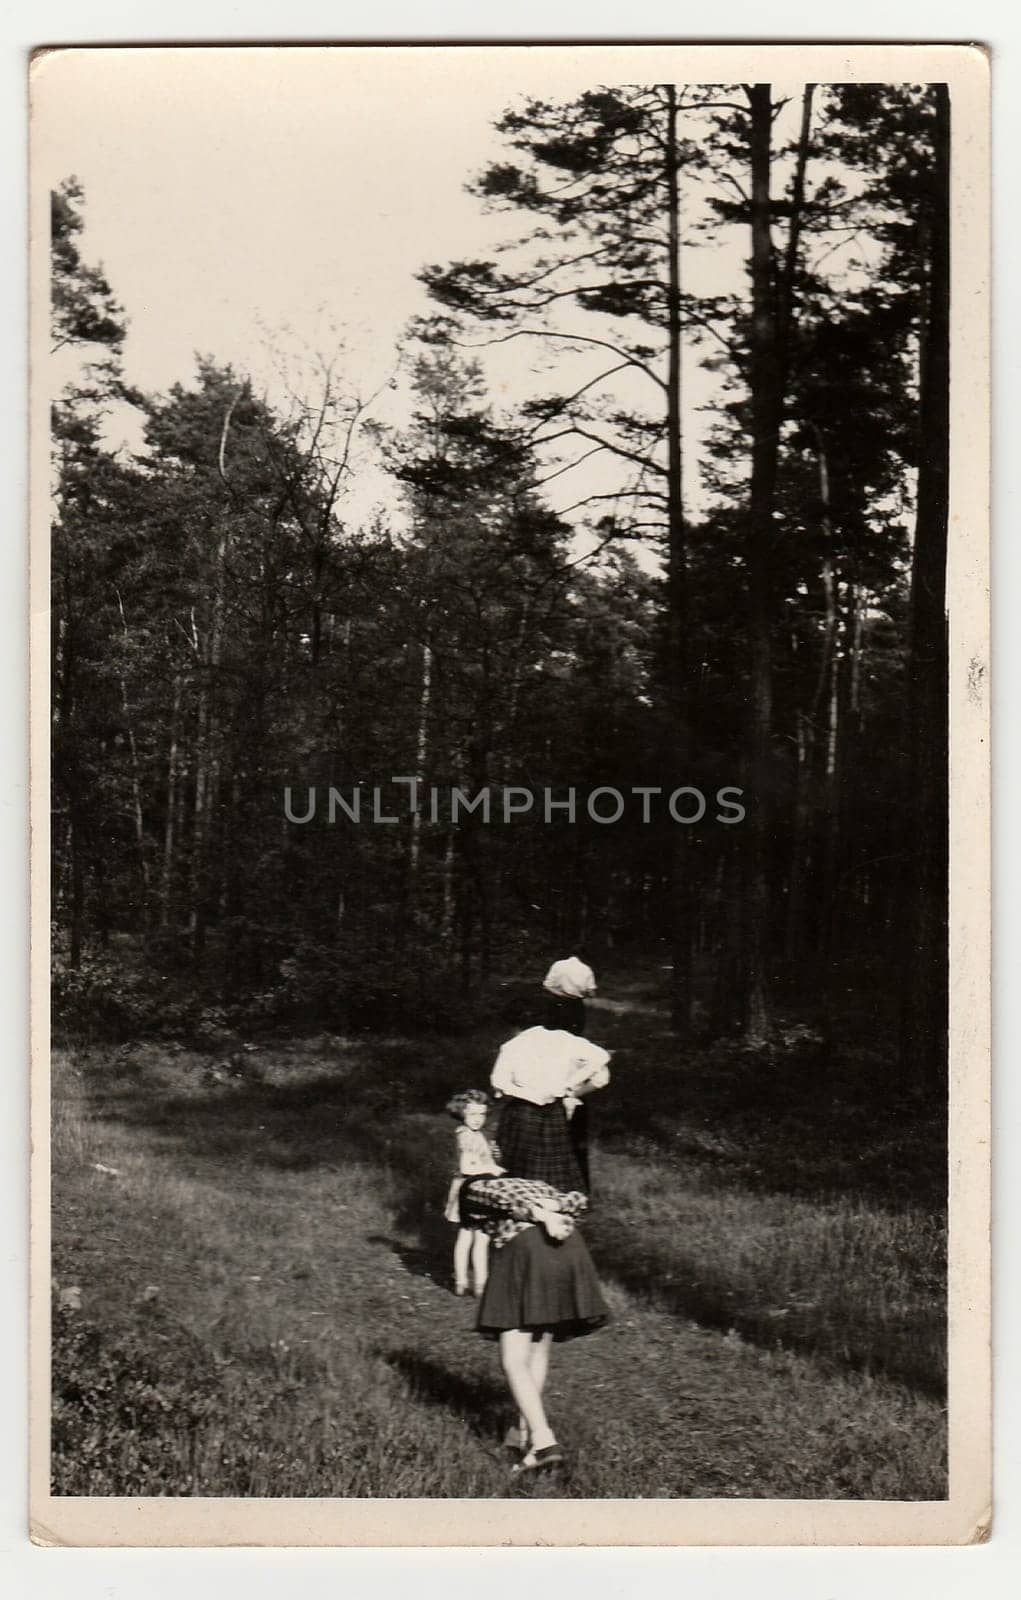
x=476, y=1157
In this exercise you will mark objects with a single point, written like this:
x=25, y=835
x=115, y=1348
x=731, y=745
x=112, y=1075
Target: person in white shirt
x=546, y=1064
x=542, y=1074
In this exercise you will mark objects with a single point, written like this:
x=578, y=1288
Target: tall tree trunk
x=770, y=354
x=766, y=404
x=514, y=686
x=77, y=930
x=447, y=913
x=136, y=785
x=825, y=723
x=316, y=631
x=924, y=995
x=65, y=706
x=797, y=875
x=851, y=846
x=237, y=963
x=421, y=753
x=857, y=653
x=465, y=904
x=831, y=779
x=167, y=878
x=197, y=876
x=182, y=808
x=207, y=753
x=857, y=843
x=682, y=888
x=785, y=310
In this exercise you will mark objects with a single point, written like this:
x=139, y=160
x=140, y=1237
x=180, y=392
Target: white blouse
x=545, y=1064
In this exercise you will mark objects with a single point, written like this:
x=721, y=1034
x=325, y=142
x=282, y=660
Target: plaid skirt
x=543, y=1285
x=535, y=1142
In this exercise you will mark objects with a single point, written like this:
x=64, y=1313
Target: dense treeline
x=225, y=627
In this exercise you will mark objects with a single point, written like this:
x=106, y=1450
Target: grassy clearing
x=265, y=1309
x=840, y=1277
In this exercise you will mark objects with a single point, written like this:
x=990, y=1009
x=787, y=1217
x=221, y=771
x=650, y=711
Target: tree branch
x=605, y=444
x=567, y=400
x=616, y=494
x=716, y=105
x=568, y=468
x=566, y=338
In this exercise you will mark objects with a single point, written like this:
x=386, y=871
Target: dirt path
x=626, y=1008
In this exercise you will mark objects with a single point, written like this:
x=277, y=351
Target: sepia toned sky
x=253, y=198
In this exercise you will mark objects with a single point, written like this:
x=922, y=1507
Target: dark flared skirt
x=535, y=1142
x=542, y=1285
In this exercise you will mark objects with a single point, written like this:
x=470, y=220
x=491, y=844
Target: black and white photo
x=510, y=792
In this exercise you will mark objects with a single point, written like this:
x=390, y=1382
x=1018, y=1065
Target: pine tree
x=603, y=177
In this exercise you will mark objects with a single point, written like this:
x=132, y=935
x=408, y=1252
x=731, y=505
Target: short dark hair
x=468, y=1097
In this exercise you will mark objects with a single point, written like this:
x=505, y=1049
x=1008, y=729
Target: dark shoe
x=550, y=1455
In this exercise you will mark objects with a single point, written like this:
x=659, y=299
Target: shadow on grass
x=484, y=1406
x=354, y=1115
x=431, y=1257
x=481, y=1403
x=911, y=1355
x=817, y=1121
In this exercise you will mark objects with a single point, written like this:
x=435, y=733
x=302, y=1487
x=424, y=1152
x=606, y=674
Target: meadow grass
x=840, y=1277
x=263, y=1303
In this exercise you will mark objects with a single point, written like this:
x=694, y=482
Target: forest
x=569, y=590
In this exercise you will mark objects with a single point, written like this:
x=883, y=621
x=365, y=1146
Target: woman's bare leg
x=538, y=1359
x=516, y=1359
x=538, y=1366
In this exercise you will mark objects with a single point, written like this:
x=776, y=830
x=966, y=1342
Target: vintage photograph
x=495, y=718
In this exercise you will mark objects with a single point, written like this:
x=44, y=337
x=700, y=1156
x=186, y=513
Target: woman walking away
x=566, y=987
x=476, y=1154
x=542, y=1290
x=542, y=1073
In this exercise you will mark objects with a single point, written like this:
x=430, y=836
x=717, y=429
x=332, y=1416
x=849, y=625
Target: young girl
x=477, y=1156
